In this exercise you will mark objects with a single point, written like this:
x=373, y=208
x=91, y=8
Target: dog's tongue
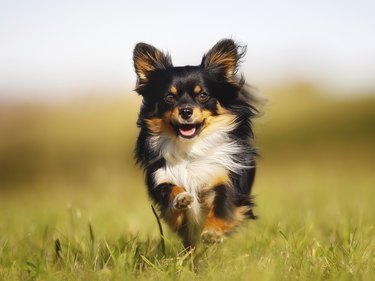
x=187, y=130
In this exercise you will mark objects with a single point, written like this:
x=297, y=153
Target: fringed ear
x=225, y=56
x=147, y=59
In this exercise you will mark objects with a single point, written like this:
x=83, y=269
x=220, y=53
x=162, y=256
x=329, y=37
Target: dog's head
x=190, y=101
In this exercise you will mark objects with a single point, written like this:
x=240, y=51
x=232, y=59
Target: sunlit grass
x=74, y=207
x=321, y=230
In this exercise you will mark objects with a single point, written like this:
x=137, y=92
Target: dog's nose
x=186, y=112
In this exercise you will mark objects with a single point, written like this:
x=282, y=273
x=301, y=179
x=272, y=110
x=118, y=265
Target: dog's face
x=186, y=102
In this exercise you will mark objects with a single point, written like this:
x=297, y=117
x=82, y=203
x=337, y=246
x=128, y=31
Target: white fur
x=193, y=164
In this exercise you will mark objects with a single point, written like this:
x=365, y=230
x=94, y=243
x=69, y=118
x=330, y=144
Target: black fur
x=218, y=78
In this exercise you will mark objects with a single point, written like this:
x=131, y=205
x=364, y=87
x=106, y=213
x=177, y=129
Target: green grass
x=322, y=230
x=73, y=206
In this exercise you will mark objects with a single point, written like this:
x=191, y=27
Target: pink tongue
x=187, y=132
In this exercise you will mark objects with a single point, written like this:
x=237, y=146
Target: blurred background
x=68, y=109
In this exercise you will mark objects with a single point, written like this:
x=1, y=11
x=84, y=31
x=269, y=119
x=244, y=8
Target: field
x=73, y=205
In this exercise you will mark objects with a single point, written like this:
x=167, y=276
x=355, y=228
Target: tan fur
x=201, y=217
x=173, y=90
x=207, y=195
x=175, y=190
x=227, y=60
x=211, y=122
x=159, y=126
x=196, y=117
x=222, y=179
x=216, y=223
x=175, y=115
x=146, y=62
x=174, y=217
x=225, y=226
x=214, y=123
x=197, y=89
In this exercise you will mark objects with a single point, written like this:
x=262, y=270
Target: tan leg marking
x=179, y=201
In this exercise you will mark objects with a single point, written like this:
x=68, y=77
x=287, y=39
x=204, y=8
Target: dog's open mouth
x=187, y=131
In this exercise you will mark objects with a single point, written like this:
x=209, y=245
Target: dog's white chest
x=193, y=175
x=197, y=166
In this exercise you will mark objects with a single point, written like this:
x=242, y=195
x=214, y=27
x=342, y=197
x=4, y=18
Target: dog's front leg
x=173, y=201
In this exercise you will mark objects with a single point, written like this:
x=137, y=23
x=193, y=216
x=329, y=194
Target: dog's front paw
x=212, y=236
x=183, y=201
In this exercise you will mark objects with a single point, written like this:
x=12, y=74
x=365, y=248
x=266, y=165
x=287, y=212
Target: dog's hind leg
x=223, y=215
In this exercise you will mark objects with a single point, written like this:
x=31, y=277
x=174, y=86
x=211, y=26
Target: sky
x=53, y=49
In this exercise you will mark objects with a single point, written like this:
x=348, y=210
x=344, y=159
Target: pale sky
x=50, y=49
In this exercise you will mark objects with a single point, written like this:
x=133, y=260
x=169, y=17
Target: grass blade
x=160, y=230
x=147, y=261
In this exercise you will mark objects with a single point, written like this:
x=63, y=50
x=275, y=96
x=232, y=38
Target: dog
x=196, y=140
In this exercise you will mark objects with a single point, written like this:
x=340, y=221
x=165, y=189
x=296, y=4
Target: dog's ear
x=225, y=57
x=147, y=59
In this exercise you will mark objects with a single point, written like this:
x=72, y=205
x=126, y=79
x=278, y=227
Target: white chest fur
x=194, y=164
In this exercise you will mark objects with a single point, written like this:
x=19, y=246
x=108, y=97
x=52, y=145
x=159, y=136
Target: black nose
x=186, y=112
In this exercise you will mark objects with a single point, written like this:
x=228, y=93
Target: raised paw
x=183, y=201
x=212, y=236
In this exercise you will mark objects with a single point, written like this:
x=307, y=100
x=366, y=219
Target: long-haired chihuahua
x=195, y=140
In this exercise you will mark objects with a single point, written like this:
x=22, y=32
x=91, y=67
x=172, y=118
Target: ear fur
x=146, y=59
x=224, y=56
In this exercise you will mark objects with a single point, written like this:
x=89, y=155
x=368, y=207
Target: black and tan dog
x=195, y=140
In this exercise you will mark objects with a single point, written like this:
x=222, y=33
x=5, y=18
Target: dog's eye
x=203, y=97
x=169, y=98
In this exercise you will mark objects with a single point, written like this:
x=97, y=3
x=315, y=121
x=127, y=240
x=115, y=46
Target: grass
x=81, y=212
x=310, y=234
